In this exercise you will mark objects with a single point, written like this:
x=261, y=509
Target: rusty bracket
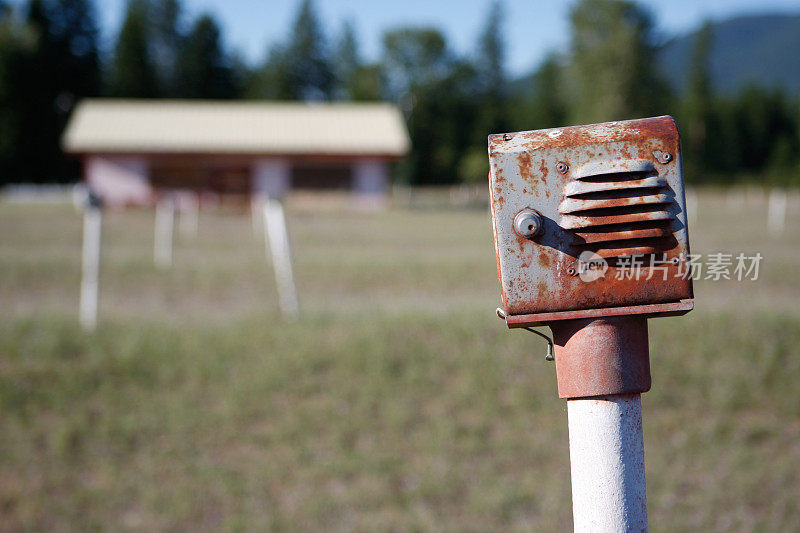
x=648, y=311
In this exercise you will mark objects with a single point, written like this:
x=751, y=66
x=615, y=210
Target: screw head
x=562, y=167
x=662, y=157
x=528, y=223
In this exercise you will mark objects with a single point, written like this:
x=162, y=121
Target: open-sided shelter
x=131, y=149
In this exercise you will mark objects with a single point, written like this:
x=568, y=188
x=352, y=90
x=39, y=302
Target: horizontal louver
x=619, y=209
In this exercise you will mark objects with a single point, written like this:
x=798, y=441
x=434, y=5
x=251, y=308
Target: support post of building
x=270, y=179
x=90, y=263
x=164, y=227
x=370, y=183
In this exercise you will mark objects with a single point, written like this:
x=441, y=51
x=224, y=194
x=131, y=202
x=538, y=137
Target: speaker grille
x=619, y=208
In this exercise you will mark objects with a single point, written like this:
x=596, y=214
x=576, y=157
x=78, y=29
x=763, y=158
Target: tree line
x=50, y=58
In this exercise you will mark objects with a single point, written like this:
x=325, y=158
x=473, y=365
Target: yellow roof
x=187, y=126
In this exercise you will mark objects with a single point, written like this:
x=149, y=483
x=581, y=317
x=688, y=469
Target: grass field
x=398, y=401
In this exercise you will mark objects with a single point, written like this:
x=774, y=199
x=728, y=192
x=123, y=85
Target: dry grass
x=397, y=402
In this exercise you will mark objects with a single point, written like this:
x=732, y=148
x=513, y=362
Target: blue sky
x=533, y=27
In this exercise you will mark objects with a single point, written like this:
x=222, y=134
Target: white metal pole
x=90, y=271
x=776, y=216
x=606, y=450
x=277, y=244
x=164, y=224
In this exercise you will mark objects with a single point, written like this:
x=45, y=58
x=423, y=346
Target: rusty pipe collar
x=601, y=356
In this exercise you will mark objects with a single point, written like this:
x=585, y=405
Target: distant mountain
x=759, y=49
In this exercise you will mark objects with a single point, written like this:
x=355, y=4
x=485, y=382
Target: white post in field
x=277, y=242
x=164, y=225
x=776, y=216
x=90, y=270
x=606, y=450
x=189, y=215
x=271, y=181
x=691, y=206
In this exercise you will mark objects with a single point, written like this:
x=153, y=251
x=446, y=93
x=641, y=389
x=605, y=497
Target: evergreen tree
x=414, y=58
x=63, y=67
x=489, y=104
x=700, y=89
x=271, y=81
x=76, y=38
x=167, y=39
x=307, y=66
x=551, y=108
x=539, y=101
x=437, y=94
x=490, y=66
x=347, y=62
x=354, y=80
x=204, y=70
x=701, y=132
x=367, y=83
x=37, y=135
x=764, y=121
x=133, y=71
x=17, y=47
x=76, y=35
x=613, y=62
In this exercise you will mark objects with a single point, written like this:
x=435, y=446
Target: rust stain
x=525, y=165
x=544, y=259
x=521, y=242
x=542, y=289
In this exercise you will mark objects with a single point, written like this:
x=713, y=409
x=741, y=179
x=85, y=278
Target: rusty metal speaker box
x=590, y=221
